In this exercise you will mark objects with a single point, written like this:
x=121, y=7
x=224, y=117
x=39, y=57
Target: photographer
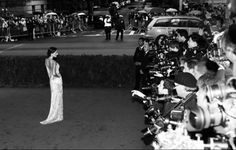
x=185, y=86
x=228, y=44
x=197, y=46
x=174, y=51
x=182, y=38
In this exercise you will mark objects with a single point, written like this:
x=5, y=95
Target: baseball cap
x=186, y=79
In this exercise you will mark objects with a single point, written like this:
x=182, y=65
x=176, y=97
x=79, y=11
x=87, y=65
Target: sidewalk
x=93, y=118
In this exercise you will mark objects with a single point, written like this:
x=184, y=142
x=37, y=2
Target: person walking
x=107, y=27
x=56, y=107
x=120, y=26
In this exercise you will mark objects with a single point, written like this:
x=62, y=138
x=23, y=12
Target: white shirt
x=107, y=22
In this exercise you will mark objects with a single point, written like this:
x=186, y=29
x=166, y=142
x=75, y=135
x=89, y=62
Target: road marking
x=113, y=32
x=142, y=33
x=74, y=35
x=94, y=35
x=9, y=48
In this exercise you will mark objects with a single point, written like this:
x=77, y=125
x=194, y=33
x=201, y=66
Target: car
x=165, y=25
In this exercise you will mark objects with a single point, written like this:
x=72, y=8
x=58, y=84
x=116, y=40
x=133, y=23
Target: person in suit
x=145, y=62
x=138, y=58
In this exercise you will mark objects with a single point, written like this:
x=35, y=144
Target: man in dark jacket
x=145, y=62
x=30, y=24
x=138, y=58
x=120, y=26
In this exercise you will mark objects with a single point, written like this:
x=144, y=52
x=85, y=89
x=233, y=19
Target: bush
x=77, y=71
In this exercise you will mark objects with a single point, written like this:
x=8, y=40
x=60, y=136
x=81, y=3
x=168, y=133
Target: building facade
x=70, y=6
x=21, y=7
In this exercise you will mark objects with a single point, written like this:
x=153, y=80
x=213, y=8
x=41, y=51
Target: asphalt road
x=83, y=43
x=93, y=119
x=88, y=43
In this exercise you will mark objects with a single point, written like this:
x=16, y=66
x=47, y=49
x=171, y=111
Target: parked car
x=165, y=25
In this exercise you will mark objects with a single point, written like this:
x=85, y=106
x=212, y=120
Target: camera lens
x=215, y=91
x=196, y=118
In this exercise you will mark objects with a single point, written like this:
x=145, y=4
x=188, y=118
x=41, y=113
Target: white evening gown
x=56, y=107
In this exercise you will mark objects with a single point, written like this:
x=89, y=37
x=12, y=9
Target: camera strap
x=182, y=102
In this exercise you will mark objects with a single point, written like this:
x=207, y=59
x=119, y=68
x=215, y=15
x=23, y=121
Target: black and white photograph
x=118, y=74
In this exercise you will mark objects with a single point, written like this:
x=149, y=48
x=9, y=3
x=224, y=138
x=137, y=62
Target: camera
x=219, y=100
x=200, y=118
x=221, y=91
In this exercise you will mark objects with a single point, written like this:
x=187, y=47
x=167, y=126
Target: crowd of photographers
x=179, y=78
x=14, y=28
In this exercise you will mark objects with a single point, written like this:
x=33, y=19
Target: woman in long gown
x=56, y=107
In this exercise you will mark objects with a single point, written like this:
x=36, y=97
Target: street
x=93, y=119
x=87, y=42
x=91, y=42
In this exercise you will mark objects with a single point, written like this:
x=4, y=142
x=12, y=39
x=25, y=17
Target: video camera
x=218, y=111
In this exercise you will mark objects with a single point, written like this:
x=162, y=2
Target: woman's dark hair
x=174, y=44
x=163, y=40
x=201, y=42
x=212, y=66
x=142, y=38
x=195, y=37
x=51, y=50
x=183, y=32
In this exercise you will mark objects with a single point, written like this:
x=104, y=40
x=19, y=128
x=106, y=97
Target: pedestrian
x=138, y=58
x=56, y=107
x=120, y=27
x=4, y=27
x=30, y=28
x=107, y=27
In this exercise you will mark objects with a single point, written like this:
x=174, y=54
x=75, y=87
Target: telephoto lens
x=203, y=118
x=220, y=91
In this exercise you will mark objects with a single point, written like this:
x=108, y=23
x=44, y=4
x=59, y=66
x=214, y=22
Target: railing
x=18, y=32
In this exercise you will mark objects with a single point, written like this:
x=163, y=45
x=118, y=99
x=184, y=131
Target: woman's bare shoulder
x=47, y=60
